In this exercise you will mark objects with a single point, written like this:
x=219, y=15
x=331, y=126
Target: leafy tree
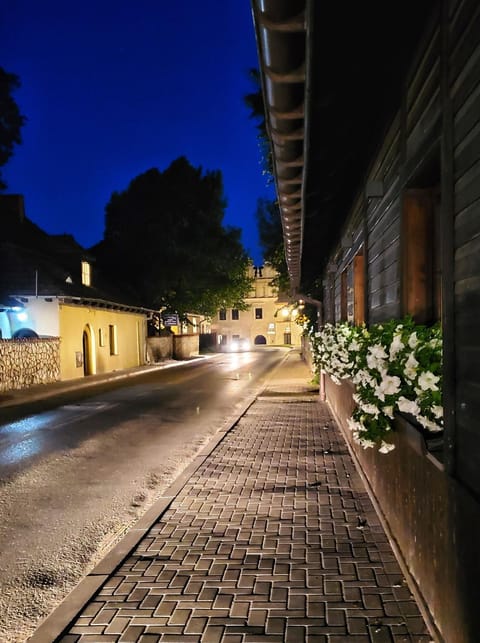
x=164, y=239
x=254, y=101
x=11, y=121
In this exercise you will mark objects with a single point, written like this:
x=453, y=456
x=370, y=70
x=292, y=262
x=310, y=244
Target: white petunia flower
x=410, y=369
x=437, y=411
x=413, y=340
x=371, y=409
x=354, y=345
x=408, y=406
x=396, y=346
x=411, y=361
x=390, y=385
x=366, y=444
x=429, y=424
x=428, y=381
x=378, y=351
x=388, y=410
x=386, y=447
x=354, y=426
x=375, y=363
x=363, y=378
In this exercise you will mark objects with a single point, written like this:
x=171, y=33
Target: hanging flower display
x=395, y=366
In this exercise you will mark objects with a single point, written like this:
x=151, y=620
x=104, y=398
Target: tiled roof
x=33, y=262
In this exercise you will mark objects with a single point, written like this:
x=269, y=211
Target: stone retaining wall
x=185, y=346
x=25, y=362
x=159, y=348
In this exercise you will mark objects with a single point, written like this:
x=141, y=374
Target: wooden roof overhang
x=281, y=32
x=332, y=79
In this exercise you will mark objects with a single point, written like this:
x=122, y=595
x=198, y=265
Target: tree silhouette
x=165, y=241
x=254, y=101
x=271, y=240
x=11, y=121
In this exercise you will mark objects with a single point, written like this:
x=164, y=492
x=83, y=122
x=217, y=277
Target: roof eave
x=282, y=43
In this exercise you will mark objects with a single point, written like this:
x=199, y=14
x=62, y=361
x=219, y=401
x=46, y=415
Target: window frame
x=86, y=273
x=113, y=339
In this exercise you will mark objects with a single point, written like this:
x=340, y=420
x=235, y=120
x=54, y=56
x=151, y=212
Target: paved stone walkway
x=273, y=538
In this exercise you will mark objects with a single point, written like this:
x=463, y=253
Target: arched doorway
x=260, y=339
x=88, y=350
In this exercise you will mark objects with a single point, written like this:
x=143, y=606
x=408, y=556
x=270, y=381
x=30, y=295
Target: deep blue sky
x=112, y=88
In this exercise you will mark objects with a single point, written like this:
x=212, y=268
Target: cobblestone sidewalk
x=273, y=538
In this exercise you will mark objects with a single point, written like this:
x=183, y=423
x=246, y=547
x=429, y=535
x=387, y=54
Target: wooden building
x=373, y=114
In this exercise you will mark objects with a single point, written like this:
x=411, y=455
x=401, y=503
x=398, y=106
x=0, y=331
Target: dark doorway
x=86, y=353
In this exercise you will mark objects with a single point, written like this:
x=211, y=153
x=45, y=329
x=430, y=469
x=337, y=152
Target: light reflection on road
x=27, y=437
x=36, y=435
x=32, y=423
x=24, y=449
x=236, y=361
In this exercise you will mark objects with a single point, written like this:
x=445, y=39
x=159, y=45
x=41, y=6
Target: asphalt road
x=75, y=476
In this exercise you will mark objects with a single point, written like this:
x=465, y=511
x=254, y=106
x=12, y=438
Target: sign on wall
x=170, y=319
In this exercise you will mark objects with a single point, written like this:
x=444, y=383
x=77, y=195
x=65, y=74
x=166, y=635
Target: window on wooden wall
x=359, y=289
x=343, y=295
x=352, y=291
x=329, y=300
x=421, y=272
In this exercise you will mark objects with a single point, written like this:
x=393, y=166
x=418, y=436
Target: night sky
x=113, y=88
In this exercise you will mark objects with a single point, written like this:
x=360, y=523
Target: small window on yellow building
x=112, y=332
x=86, y=274
x=101, y=337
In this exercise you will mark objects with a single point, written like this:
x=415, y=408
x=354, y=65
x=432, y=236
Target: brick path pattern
x=274, y=538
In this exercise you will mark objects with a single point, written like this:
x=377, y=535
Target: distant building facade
x=268, y=321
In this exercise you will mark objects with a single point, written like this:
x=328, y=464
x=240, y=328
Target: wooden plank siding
x=384, y=257
x=465, y=99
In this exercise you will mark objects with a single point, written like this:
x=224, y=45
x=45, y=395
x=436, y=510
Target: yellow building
x=50, y=289
x=269, y=319
x=99, y=340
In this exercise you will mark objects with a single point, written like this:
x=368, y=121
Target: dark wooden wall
x=464, y=35
x=433, y=142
